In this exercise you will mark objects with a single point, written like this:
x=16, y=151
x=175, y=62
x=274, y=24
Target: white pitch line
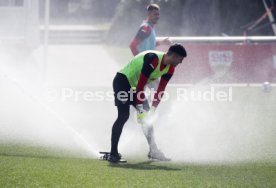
x=221, y=85
x=230, y=85
x=259, y=85
x=211, y=85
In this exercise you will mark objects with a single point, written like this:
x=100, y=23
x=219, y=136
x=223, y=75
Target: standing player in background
x=145, y=38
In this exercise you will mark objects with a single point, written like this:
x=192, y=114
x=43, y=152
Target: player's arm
x=157, y=43
x=141, y=35
x=166, y=41
x=162, y=86
x=150, y=63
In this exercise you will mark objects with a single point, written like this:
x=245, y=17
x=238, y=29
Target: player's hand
x=141, y=114
x=166, y=41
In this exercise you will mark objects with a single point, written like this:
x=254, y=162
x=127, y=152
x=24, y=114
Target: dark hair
x=178, y=49
x=151, y=7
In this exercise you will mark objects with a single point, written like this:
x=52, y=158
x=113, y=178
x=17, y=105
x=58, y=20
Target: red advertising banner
x=227, y=63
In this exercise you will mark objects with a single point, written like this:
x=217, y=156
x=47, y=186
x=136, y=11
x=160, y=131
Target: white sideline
x=221, y=85
x=223, y=39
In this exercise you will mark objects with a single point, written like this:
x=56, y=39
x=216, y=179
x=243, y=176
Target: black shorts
x=123, y=93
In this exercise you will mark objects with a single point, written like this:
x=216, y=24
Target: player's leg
x=149, y=134
x=154, y=152
x=123, y=115
x=148, y=130
x=120, y=84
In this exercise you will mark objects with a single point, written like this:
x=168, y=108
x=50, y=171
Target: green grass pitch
x=22, y=166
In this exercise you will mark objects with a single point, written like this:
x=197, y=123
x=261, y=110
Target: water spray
x=88, y=147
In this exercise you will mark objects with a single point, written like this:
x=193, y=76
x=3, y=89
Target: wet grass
x=22, y=166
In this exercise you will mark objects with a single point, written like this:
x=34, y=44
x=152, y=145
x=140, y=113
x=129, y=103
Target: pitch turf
x=35, y=167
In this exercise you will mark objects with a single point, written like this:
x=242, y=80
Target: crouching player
x=128, y=86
